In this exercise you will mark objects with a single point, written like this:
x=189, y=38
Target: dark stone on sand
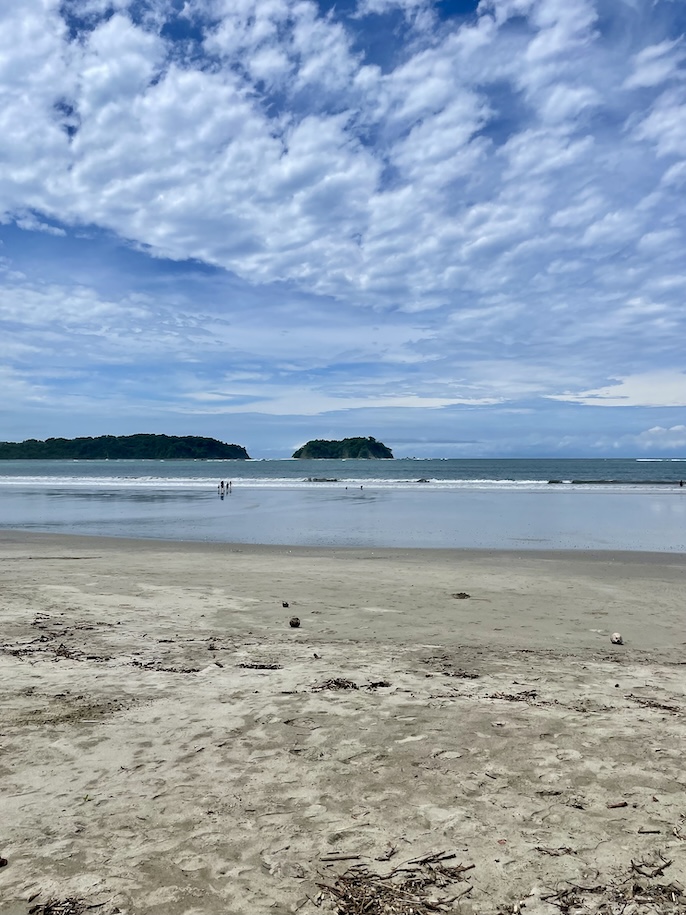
x=284, y=603
x=294, y=622
x=3, y=862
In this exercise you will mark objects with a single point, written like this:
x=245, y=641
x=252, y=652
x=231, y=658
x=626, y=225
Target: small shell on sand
x=616, y=638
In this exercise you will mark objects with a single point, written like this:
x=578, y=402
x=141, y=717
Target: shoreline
x=18, y=535
x=170, y=745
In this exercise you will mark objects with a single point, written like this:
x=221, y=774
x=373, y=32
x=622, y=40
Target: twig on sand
x=555, y=852
x=339, y=858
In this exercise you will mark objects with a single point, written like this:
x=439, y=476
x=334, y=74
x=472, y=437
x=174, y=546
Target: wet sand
x=169, y=744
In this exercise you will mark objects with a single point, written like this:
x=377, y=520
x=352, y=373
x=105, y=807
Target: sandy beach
x=452, y=729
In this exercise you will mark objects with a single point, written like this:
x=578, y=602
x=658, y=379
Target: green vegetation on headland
x=346, y=448
x=118, y=447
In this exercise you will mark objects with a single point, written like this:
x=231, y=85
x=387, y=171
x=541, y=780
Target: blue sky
x=456, y=226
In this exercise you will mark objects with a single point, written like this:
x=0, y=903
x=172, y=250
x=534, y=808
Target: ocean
x=598, y=504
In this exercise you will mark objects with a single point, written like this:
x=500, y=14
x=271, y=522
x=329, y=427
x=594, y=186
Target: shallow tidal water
x=359, y=515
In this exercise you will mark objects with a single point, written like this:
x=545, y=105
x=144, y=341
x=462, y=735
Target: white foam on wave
x=210, y=484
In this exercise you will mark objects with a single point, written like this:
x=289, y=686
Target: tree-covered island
x=345, y=448
x=122, y=447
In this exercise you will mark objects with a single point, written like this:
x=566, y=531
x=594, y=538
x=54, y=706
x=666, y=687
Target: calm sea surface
x=608, y=504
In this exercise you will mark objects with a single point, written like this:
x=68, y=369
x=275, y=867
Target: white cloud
x=649, y=389
x=665, y=124
x=501, y=191
x=658, y=438
x=657, y=64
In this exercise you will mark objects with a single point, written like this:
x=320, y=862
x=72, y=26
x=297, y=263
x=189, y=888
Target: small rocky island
x=123, y=447
x=345, y=448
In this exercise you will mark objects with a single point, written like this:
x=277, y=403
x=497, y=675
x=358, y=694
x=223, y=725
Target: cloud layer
x=382, y=207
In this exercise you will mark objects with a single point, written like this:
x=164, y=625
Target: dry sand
x=168, y=744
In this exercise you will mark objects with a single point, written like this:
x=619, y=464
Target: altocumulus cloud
x=428, y=217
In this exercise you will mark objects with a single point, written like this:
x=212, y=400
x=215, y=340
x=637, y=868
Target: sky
x=457, y=226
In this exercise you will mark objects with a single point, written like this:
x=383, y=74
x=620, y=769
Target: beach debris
x=524, y=696
x=651, y=867
x=649, y=702
x=461, y=595
x=555, y=852
x=388, y=854
x=445, y=664
x=157, y=665
x=259, y=665
x=284, y=603
x=420, y=887
x=294, y=621
x=334, y=857
x=614, y=806
x=3, y=862
x=69, y=906
x=375, y=684
x=631, y=890
x=335, y=683
x=616, y=638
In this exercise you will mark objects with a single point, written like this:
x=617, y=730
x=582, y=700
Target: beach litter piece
x=420, y=887
x=461, y=595
x=294, y=621
x=335, y=683
x=616, y=638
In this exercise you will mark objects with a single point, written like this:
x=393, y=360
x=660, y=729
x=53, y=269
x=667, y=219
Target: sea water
x=613, y=504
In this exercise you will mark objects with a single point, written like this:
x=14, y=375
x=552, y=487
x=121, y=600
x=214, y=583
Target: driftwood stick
x=339, y=858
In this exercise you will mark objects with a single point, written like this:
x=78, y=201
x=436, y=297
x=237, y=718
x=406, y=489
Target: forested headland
x=123, y=447
x=345, y=448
